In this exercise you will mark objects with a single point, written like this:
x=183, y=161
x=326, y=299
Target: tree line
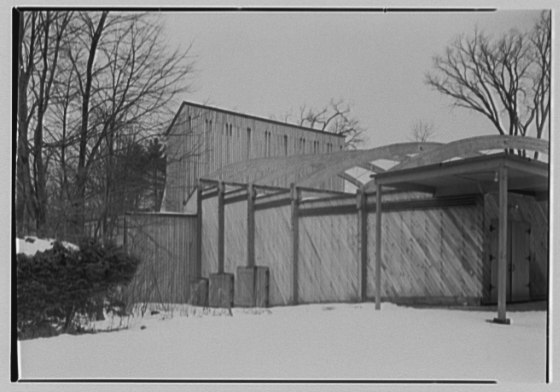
x=94, y=89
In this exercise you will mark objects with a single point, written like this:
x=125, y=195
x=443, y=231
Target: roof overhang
x=471, y=175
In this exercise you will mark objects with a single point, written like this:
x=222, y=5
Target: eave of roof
x=249, y=116
x=478, y=169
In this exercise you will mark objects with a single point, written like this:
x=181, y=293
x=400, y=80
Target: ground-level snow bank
x=30, y=245
x=349, y=341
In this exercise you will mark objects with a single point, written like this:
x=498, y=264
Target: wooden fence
x=323, y=249
x=166, y=245
x=321, y=246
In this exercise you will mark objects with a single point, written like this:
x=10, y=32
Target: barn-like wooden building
x=202, y=140
x=458, y=223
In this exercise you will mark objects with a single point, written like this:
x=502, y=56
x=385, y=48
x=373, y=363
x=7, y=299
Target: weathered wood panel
x=329, y=266
x=203, y=140
x=166, y=244
x=273, y=248
x=434, y=252
x=209, y=236
x=235, y=236
x=522, y=209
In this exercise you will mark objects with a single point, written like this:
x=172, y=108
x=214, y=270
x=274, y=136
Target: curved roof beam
x=339, y=164
x=472, y=146
x=372, y=167
x=351, y=179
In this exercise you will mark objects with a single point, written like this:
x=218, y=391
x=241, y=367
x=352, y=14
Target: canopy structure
x=311, y=170
x=473, y=165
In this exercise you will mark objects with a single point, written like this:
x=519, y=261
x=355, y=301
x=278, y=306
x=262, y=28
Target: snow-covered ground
x=30, y=245
x=323, y=341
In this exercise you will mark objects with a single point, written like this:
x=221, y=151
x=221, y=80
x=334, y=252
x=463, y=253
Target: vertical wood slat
x=166, y=247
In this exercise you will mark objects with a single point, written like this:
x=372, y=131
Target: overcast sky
x=271, y=63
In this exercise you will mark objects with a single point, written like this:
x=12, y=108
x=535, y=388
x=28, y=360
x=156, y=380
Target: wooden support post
x=221, y=227
x=250, y=226
x=502, y=245
x=378, y=245
x=197, y=270
x=362, y=230
x=295, y=193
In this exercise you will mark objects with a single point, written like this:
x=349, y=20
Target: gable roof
x=249, y=116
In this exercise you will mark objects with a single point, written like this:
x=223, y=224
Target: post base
x=501, y=321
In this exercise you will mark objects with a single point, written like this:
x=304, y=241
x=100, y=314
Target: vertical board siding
x=328, y=259
x=192, y=153
x=166, y=246
x=535, y=213
x=434, y=252
x=273, y=250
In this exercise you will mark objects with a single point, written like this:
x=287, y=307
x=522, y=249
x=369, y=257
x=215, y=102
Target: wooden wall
x=202, y=140
x=166, y=245
x=433, y=249
x=235, y=236
x=273, y=249
x=328, y=257
x=272, y=244
x=523, y=209
x=429, y=253
x=209, y=236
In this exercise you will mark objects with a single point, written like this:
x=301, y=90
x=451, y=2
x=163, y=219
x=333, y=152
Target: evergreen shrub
x=55, y=286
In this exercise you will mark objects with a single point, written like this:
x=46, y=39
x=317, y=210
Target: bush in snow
x=56, y=285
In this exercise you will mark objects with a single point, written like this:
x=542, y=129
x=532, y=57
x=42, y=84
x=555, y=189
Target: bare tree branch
x=507, y=80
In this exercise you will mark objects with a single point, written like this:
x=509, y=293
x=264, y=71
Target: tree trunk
x=23, y=173
x=81, y=175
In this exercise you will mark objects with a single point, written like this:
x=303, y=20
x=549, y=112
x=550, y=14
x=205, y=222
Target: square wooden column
x=502, y=245
x=221, y=226
x=250, y=225
x=378, y=255
x=295, y=195
x=198, y=262
x=363, y=238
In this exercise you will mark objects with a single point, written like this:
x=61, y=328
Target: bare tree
x=27, y=39
x=105, y=76
x=334, y=118
x=422, y=131
x=506, y=80
x=38, y=58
